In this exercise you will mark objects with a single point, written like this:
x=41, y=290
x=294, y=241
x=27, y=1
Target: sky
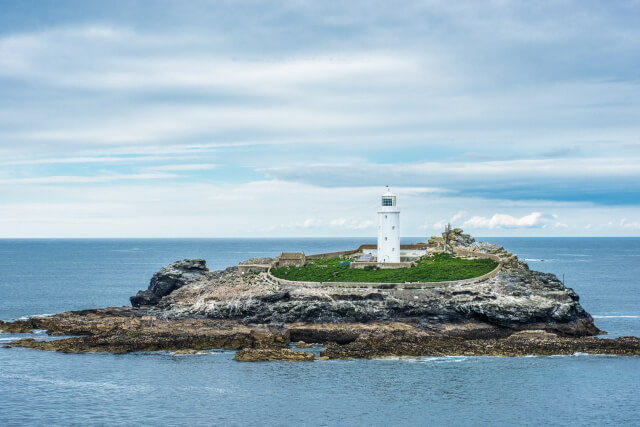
x=261, y=119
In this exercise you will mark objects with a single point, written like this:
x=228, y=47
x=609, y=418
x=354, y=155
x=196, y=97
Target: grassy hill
x=437, y=268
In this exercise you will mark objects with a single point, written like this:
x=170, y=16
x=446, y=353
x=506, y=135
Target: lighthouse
x=388, y=229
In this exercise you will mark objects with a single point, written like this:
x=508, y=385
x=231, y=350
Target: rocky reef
x=188, y=308
x=270, y=354
x=126, y=329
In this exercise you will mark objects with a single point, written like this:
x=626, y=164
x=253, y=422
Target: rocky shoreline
x=124, y=329
x=187, y=308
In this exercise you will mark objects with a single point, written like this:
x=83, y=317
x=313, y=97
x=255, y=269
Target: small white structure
x=388, y=229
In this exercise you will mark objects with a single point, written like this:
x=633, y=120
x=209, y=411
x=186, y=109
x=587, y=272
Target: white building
x=388, y=229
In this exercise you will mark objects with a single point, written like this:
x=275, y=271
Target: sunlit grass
x=437, y=268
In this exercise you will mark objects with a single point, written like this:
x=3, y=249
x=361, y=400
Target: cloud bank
x=288, y=119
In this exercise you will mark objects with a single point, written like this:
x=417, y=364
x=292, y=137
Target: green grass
x=437, y=268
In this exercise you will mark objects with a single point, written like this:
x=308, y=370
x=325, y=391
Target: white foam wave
x=537, y=260
x=78, y=384
x=616, y=317
x=36, y=315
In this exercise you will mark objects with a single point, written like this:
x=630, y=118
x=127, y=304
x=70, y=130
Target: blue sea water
x=43, y=388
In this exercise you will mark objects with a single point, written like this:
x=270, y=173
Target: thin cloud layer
x=504, y=221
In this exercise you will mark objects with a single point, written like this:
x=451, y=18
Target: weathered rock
x=189, y=351
x=258, y=261
x=269, y=354
x=516, y=298
x=169, y=278
x=121, y=330
x=416, y=343
x=455, y=239
x=302, y=344
x=17, y=327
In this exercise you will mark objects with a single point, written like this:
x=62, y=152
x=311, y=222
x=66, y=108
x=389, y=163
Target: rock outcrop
x=169, y=278
x=517, y=298
x=381, y=344
x=124, y=330
x=17, y=327
x=455, y=238
x=270, y=354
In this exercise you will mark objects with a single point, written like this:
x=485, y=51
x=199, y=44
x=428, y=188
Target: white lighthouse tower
x=388, y=229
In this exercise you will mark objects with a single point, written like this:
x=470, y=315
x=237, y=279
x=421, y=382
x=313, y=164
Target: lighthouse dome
x=388, y=198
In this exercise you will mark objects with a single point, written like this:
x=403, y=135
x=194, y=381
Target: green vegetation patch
x=440, y=267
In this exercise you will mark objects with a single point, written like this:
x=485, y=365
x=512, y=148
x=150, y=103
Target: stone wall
x=383, y=265
x=481, y=255
x=331, y=254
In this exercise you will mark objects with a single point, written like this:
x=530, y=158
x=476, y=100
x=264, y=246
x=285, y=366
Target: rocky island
x=509, y=311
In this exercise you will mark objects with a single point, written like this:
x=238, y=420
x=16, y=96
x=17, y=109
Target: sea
x=43, y=276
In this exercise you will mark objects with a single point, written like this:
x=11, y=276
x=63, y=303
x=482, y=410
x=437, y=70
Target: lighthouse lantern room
x=388, y=229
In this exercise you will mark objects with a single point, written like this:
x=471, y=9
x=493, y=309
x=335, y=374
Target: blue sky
x=258, y=118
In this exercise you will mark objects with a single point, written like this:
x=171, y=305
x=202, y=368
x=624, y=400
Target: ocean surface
x=44, y=388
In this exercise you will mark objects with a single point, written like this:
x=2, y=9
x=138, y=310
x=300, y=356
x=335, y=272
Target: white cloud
x=478, y=171
x=351, y=224
x=265, y=209
x=505, y=221
x=457, y=216
x=632, y=225
x=82, y=179
x=185, y=167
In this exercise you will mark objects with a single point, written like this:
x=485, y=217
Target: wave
x=536, y=259
x=437, y=359
x=36, y=315
x=78, y=384
x=616, y=317
x=581, y=255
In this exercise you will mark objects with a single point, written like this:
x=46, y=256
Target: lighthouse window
x=393, y=227
x=387, y=201
x=393, y=249
x=385, y=238
x=385, y=217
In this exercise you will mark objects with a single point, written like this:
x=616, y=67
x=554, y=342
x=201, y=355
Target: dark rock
x=529, y=342
x=125, y=330
x=169, y=278
x=17, y=327
x=270, y=354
